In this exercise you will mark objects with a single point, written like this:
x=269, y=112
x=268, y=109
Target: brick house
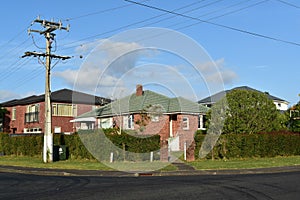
x=27, y=115
x=147, y=113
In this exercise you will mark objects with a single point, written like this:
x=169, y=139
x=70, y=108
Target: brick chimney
x=139, y=90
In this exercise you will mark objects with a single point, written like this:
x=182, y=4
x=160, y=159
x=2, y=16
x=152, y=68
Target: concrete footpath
x=182, y=171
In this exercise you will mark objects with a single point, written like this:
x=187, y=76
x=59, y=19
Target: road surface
x=253, y=186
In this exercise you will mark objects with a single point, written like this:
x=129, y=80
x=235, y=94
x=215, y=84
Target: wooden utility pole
x=49, y=27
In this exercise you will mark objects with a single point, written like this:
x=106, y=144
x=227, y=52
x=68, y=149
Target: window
x=279, y=104
x=32, y=113
x=13, y=113
x=106, y=122
x=185, y=123
x=128, y=122
x=67, y=110
x=201, y=122
x=32, y=130
x=33, y=108
x=154, y=117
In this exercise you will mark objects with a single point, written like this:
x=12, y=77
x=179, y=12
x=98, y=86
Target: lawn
x=249, y=163
x=82, y=164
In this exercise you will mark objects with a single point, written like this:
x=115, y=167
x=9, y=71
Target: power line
x=255, y=4
x=148, y=19
x=35, y=44
x=289, y=4
x=13, y=49
x=225, y=14
x=215, y=24
x=215, y=11
x=100, y=12
x=191, y=10
x=14, y=37
x=135, y=23
x=16, y=65
x=29, y=77
x=14, y=69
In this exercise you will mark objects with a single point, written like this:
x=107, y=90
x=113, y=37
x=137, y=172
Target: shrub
x=32, y=145
x=253, y=145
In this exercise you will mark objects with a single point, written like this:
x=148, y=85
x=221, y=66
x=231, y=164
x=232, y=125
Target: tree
x=294, y=118
x=2, y=114
x=250, y=112
x=2, y=111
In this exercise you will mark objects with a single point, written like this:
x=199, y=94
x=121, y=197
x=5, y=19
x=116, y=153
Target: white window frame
x=33, y=108
x=106, y=122
x=14, y=113
x=185, y=123
x=72, y=110
x=128, y=122
x=154, y=117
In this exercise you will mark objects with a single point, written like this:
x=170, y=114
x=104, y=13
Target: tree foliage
x=2, y=111
x=2, y=114
x=294, y=118
x=250, y=112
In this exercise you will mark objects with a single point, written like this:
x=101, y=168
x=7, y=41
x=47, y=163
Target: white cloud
x=104, y=66
x=7, y=95
x=114, y=68
x=216, y=72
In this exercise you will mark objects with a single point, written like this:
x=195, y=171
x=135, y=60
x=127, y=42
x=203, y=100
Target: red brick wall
x=186, y=135
x=149, y=127
x=83, y=108
x=162, y=127
x=57, y=121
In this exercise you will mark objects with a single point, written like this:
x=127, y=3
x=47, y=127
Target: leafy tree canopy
x=250, y=112
x=294, y=115
x=2, y=111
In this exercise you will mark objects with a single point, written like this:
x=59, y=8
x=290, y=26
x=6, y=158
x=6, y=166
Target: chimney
x=139, y=90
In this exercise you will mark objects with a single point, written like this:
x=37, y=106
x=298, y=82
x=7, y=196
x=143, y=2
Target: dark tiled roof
x=216, y=97
x=60, y=96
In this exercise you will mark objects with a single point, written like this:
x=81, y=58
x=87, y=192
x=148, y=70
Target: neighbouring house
x=27, y=115
x=148, y=113
x=281, y=104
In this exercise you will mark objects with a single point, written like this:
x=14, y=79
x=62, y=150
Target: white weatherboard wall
x=283, y=106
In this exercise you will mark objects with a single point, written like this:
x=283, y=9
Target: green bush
x=20, y=145
x=32, y=145
x=252, y=145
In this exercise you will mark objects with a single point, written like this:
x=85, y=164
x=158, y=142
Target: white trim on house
x=86, y=119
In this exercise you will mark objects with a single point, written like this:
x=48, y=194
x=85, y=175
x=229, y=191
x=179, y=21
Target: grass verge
x=249, y=163
x=81, y=164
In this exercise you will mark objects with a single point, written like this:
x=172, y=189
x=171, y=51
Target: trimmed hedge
x=228, y=145
x=20, y=145
x=252, y=145
x=32, y=145
x=124, y=146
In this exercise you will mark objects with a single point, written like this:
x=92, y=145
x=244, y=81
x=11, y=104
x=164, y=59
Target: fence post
x=151, y=156
x=111, y=157
x=184, y=150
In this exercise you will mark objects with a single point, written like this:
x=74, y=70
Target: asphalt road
x=253, y=186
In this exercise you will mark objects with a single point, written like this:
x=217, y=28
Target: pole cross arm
x=60, y=57
x=52, y=26
x=34, y=54
x=37, y=54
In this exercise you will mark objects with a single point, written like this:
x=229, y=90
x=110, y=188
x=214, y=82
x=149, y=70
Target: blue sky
x=241, y=58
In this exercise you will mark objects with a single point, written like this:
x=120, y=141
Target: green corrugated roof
x=136, y=104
